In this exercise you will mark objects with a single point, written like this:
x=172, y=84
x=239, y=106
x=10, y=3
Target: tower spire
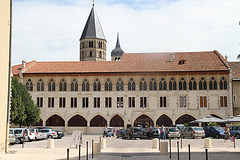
x=117, y=53
x=93, y=3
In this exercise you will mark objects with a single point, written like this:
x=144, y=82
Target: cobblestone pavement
x=122, y=149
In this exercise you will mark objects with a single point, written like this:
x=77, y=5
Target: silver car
x=193, y=132
x=173, y=132
x=50, y=132
x=12, y=139
x=39, y=134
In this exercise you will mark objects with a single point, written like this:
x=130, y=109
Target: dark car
x=121, y=133
x=214, y=131
x=133, y=132
x=151, y=133
x=60, y=134
x=235, y=131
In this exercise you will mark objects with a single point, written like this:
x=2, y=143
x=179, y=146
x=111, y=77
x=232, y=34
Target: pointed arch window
x=182, y=84
x=202, y=84
x=62, y=85
x=85, y=85
x=212, y=84
x=108, y=85
x=162, y=84
x=90, y=44
x=40, y=85
x=97, y=85
x=223, y=84
x=152, y=85
x=120, y=85
x=172, y=84
x=192, y=84
x=143, y=85
x=90, y=54
x=51, y=85
x=131, y=85
x=29, y=85
x=74, y=85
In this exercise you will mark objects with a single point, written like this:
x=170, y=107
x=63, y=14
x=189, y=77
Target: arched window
x=62, y=85
x=40, y=85
x=172, y=84
x=90, y=54
x=182, y=84
x=108, y=85
x=29, y=85
x=223, y=84
x=143, y=85
x=162, y=84
x=51, y=85
x=119, y=85
x=97, y=85
x=74, y=85
x=212, y=84
x=85, y=85
x=192, y=84
x=90, y=44
x=153, y=85
x=202, y=84
x=131, y=85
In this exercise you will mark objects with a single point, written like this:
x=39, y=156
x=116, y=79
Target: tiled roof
x=135, y=62
x=235, y=66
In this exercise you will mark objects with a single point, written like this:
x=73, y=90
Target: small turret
x=116, y=54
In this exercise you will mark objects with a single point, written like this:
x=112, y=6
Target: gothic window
x=202, y=84
x=62, y=85
x=108, y=85
x=90, y=44
x=74, y=85
x=119, y=85
x=223, y=84
x=172, y=84
x=97, y=85
x=162, y=84
x=85, y=85
x=213, y=84
x=153, y=85
x=131, y=85
x=90, y=54
x=182, y=84
x=143, y=85
x=40, y=85
x=29, y=85
x=100, y=54
x=51, y=85
x=192, y=84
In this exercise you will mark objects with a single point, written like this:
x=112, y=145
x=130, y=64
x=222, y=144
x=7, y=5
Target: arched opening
x=55, y=120
x=184, y=119
x=98, y=121
x=117, y=121
x=143, y=121
x=77, y=121
x=40, y=123
x=164, y=120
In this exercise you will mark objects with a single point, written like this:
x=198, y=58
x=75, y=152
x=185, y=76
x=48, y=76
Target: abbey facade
x=134, y=89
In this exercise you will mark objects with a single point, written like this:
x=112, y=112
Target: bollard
x=22, y=142
x=189, y=152
x=92, y=149
x=79, y=152
x=178, y=149
x=234, y=142
x=206, y=150
x=155, y=143
x=159, y=143
x=100, y=139
x=181, y=140
x=96, y=148
x=50, y=143
x=68, y=154
x=170, y=147
x=87, y=152
x=207, y=143
x=103, y=143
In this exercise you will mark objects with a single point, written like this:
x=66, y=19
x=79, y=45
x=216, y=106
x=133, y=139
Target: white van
x=21, y=133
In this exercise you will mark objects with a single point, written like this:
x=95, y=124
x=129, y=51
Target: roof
x=235, y=66
x=117, y=51
x=134, y=63
x=92, y=27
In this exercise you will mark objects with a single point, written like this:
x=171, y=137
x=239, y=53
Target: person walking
x=227, y=134
x=163, y=130
x=105, y=132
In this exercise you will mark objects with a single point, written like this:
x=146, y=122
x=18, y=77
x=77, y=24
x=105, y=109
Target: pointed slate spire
x=93, y=28
x=117, y=51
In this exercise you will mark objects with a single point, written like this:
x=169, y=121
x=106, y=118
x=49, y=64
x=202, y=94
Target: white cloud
x=49, y=30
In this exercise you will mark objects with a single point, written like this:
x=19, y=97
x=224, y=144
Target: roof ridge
x=221, y=59
x=30, y=65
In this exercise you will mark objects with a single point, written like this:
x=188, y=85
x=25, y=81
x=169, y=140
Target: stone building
x=134, y=89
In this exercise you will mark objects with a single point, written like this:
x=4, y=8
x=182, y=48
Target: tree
x=23, y=110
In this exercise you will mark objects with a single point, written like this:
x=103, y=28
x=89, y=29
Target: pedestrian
x=163, y=130
x=114, y=132
x=227, y=134
x=105, y=132
x=159, y=132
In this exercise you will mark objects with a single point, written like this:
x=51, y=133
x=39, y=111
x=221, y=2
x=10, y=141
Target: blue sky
x=49, y=30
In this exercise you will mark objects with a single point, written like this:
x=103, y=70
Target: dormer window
x=182, y=62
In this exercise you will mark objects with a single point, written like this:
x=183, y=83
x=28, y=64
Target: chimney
x=171, y=57
x=23, y=64
x=226, y=59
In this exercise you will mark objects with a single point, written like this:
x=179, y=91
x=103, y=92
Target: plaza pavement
x=118, y=149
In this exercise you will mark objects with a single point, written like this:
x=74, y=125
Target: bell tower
x=92, y=41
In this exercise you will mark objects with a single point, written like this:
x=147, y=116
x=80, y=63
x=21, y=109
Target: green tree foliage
x=23, y=110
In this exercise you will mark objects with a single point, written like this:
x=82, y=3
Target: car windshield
x=18, y=131
x=173, y=130
x=10, y=132
x=219, y=129
x=197, y=129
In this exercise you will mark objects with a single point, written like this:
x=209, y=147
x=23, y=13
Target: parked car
x=193, y=132
x=235, y=131
x=39, y=134
x=12, y=139
x=181, y=127
x=173, y=132
x=60, y=134
x=50, y=132
x=23, y=134
x=133, y=132
x=214, y=131
x=120, y=133
x=151, y=133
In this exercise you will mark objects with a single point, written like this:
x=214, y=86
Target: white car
x=39, y=134
x=12, y=139
x=50, y=132
x=23, y=133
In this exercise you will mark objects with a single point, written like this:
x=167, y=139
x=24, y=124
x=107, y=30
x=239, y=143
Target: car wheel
x=50, y=136
x=238, y=136
x=18, y=141
x=217, y=136
x=192, y=137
